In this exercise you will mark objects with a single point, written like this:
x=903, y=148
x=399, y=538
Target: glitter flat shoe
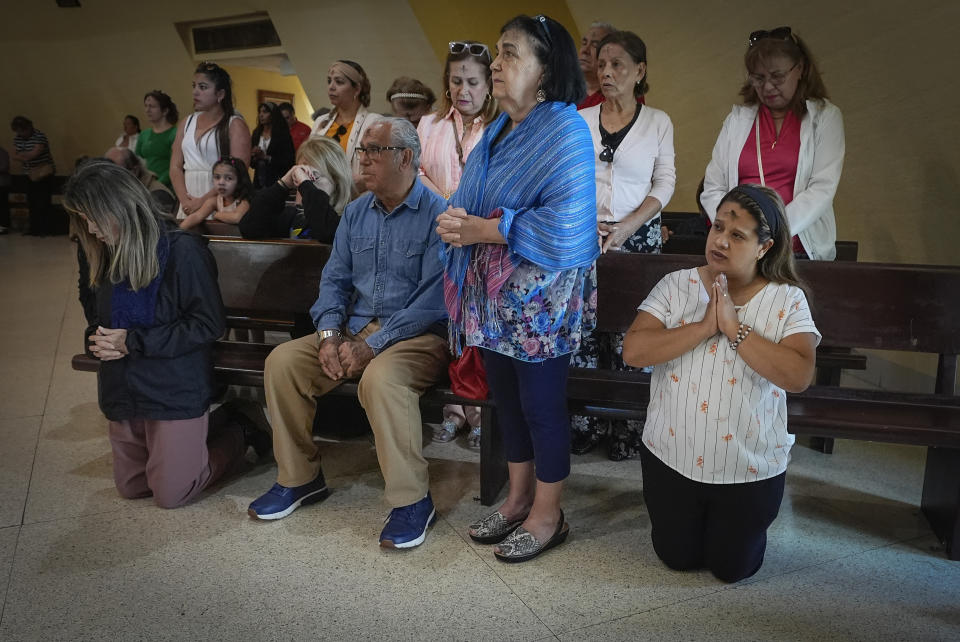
x=493, y=528
x=522, y=546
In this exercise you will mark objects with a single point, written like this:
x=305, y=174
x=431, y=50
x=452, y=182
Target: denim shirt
x=385, y=265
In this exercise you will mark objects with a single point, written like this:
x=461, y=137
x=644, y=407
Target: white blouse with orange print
x=711, y=417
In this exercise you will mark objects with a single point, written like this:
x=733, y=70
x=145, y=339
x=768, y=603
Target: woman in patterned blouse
x=519, y=281
x=726, y=340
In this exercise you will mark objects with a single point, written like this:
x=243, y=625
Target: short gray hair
x=606, y=26
x=404, y=134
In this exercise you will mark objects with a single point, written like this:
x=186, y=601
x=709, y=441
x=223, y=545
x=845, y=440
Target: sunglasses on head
x=780, y=33
x=477, y=49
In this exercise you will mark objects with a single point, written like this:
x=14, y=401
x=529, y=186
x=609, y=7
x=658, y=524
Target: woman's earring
x=541, y=96
x=448, y=94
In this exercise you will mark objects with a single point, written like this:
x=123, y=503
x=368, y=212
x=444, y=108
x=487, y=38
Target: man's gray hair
x=404, y=134
x=606, y=26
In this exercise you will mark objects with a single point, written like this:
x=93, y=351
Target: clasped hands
x=457, y=228
x=108, y=344
x=721, y=315
x=341, y=359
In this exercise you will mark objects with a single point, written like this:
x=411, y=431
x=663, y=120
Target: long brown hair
x=777, y=265
x=810, y=86
x=221, y=80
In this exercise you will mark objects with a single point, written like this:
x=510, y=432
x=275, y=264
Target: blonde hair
x=121, y=206
x=326, y=155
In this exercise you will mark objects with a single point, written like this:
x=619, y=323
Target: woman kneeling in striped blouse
x=727, y=340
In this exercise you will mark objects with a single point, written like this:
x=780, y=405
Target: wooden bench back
x=884, y=306
x=269, y=277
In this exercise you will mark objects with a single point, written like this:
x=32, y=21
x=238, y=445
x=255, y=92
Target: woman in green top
x=155, y=142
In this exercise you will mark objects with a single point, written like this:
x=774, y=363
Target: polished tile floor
x=850, y=556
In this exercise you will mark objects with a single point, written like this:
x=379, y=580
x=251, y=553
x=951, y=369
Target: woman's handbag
x=468, y=377
x=40, y=172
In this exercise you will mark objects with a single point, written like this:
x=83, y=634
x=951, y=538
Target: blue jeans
x=531, y=400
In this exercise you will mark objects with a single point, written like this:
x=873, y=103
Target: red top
x=596, y=98
x=779, y=155
x=299, y=133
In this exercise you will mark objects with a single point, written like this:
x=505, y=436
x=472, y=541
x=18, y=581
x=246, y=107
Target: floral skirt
x=605, y=350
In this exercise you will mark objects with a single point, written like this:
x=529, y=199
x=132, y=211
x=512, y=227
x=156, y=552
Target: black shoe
x=255, y=435
x=583, y=442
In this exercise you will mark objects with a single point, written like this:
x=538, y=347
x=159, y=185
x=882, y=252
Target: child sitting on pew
x=234, y=190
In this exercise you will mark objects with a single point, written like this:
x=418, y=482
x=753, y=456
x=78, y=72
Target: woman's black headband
x=767, y=205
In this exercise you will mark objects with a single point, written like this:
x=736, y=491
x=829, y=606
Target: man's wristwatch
x=326, y=334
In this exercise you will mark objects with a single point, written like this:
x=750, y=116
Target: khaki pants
x=389, y=391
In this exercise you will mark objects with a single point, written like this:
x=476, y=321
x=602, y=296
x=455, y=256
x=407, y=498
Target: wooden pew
x=267, y=284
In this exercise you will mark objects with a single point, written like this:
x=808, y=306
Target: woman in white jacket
x=635, y=178
x=348, y=88
x=787, y=136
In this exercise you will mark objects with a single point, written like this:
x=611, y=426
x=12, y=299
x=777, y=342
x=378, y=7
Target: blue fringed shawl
x=540, y=181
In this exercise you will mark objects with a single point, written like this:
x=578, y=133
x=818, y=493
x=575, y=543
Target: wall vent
x=235, y=36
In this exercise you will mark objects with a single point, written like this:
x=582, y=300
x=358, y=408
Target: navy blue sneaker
x=407, y=526
x=280, y=501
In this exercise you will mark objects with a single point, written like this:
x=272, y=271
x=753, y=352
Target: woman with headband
x=410, y=99
x=348, y=88
x=786, y=135
x=727, y=341
x=447, y=137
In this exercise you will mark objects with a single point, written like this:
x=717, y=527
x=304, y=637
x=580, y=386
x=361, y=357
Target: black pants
x=722, y=527
x=39, y=194
x=5, y=206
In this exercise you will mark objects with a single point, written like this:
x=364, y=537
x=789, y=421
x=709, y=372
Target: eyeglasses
x=776, y=78
x=607, y=154
x=542, y=19
x=780, y=33
x=341, y=130
x=477, y=49
x=374, y=151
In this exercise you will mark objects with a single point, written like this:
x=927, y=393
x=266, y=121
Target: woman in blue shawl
x=519, y=281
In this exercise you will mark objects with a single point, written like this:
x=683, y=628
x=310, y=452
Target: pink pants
x=171, y=460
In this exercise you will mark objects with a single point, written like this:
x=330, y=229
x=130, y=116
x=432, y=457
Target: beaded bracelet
x=742, y=332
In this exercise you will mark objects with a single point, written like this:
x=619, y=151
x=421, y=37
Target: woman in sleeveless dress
x=212, y=131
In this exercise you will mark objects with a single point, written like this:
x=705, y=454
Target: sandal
x=493, y=528
x=522, y=546
x=473, y=439
x=445, y=432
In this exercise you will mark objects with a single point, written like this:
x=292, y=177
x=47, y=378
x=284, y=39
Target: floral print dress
x=605, y=349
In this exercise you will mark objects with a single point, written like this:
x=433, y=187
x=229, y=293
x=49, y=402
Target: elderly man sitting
x=125, y=158
x=380, y=316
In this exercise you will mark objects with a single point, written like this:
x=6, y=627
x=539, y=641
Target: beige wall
x=382, y=35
